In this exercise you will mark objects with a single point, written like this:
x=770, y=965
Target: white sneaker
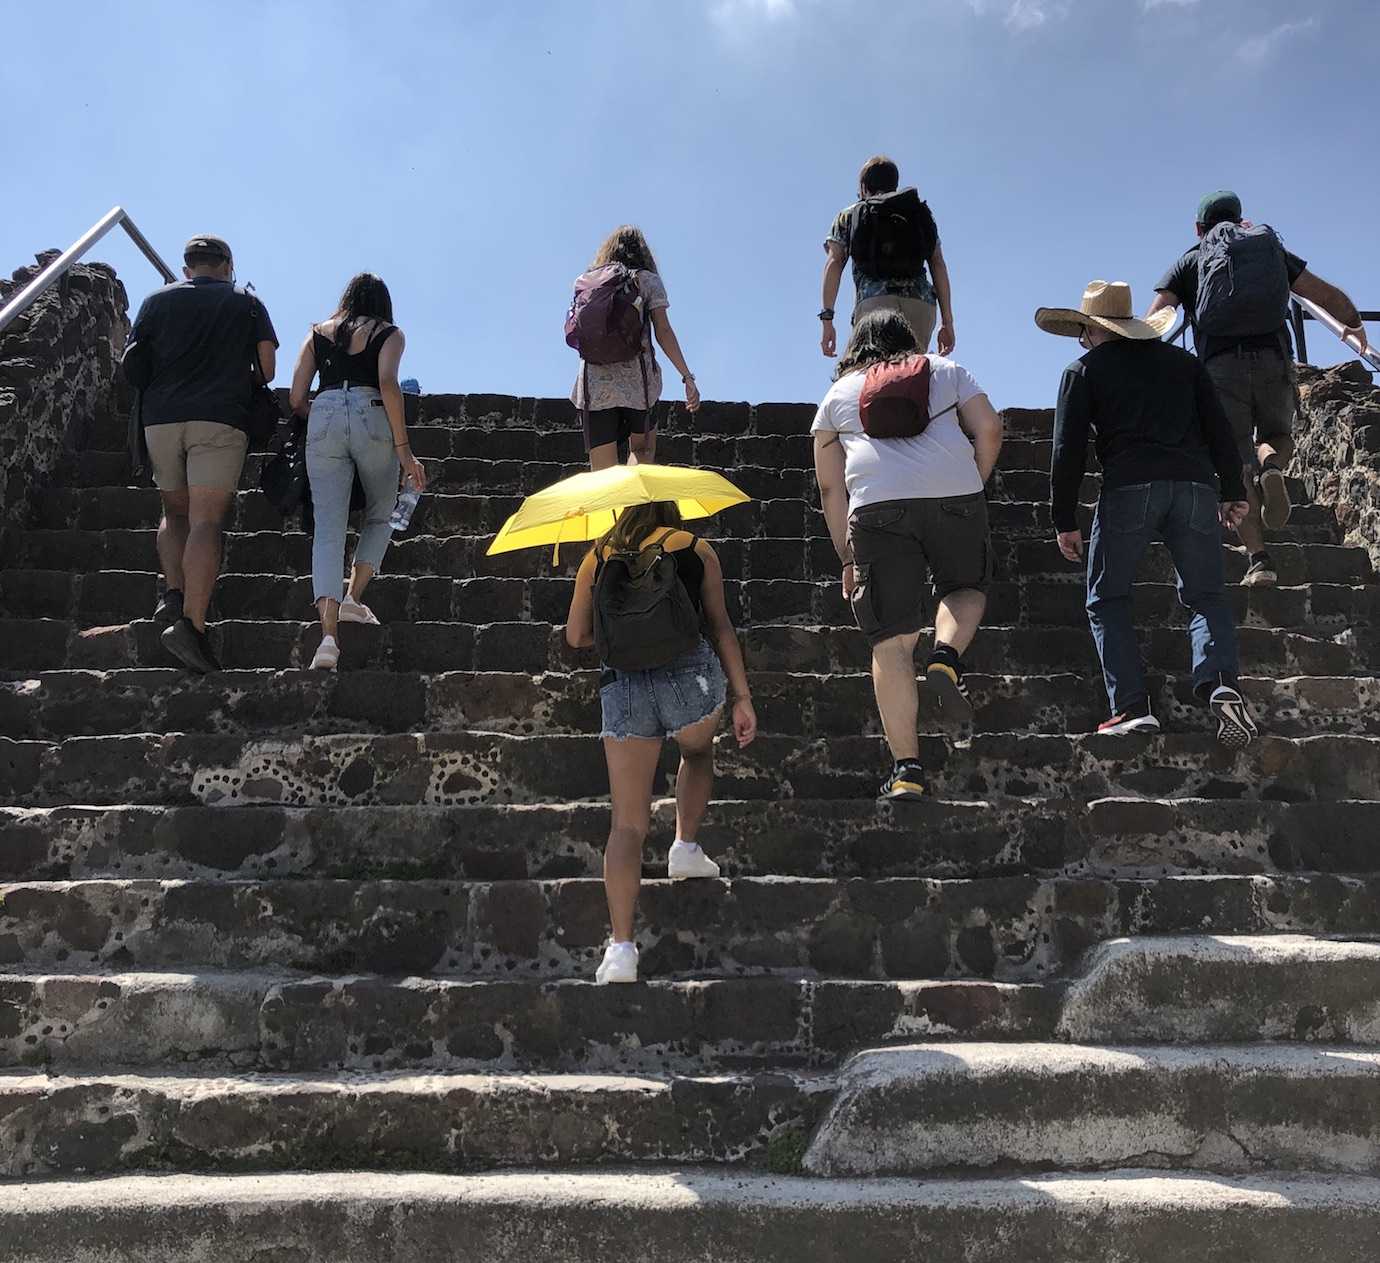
x=619, y=964
x=687, y=860
x=1235, y=727
x=327, y=655
x=352, y=611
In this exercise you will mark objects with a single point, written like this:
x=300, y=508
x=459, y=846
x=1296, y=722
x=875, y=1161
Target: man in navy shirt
x=1252, y=365
x=191, y=355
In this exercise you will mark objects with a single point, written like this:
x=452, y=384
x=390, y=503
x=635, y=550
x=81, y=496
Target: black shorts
x=897, y=542
x=616, y=425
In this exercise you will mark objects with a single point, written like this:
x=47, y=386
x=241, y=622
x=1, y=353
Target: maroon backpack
x=606, y=324
x=895, y=399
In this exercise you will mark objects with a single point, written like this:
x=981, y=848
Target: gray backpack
x=1243, y=282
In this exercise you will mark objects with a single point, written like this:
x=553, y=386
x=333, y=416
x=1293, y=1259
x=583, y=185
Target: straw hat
x=1108, y=304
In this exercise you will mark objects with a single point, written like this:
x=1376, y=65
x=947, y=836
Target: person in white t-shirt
x=898, y=507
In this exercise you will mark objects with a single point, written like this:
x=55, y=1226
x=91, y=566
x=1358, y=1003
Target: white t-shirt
x=940, y=462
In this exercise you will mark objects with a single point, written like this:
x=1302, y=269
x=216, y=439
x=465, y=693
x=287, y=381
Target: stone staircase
x=296, y=966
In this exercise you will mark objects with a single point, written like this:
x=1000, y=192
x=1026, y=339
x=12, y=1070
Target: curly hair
x=880, y=336
x=625, y=245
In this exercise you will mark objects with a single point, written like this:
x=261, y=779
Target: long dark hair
x=879, y=336
x=366, y=297
x=625, y=245
x=634, y=524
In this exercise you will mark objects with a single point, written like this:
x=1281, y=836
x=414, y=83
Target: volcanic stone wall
x=57, y=375
x=1338, y=450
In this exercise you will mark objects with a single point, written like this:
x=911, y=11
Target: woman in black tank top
x=683, y=698
x=356, y=430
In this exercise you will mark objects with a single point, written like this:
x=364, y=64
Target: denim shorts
x=660, y=702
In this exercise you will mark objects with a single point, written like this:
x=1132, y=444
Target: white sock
x=683, y=842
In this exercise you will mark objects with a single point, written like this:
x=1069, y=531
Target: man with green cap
x=1235, y=287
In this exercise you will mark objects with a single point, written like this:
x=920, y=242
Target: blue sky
x=474, y=154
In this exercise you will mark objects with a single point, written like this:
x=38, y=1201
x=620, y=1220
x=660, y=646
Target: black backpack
x=892, y=235
x=1243, y=282
x=643, y=615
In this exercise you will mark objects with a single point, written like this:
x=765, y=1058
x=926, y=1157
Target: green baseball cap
x=1218, y=207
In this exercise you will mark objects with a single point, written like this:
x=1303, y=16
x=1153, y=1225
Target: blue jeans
x=348, y=430
x=1184, y=515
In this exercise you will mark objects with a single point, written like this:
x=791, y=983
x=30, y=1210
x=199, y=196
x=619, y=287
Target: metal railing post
x=27, y=296
x=1300, y=337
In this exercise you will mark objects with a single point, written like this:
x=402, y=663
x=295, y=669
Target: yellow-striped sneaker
x=906, y=782
x=945, y=689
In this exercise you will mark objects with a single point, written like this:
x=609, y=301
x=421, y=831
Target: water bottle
x=405, y=507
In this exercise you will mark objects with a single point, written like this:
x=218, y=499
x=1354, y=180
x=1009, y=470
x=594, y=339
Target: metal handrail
x=1305, y=309
x=1302, y=309
x=117, y=216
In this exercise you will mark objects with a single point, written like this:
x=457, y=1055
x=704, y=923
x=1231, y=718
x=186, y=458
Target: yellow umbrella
x=585, y=506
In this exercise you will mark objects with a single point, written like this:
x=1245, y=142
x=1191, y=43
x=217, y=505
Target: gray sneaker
x=1260, y=574
x=169, y=609
x=1275, y=506
x=190, y=647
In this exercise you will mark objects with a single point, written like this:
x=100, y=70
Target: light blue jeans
x=348, y=430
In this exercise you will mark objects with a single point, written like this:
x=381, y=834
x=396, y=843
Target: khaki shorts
x=895, y=543
x=196, y=454
x=1259, y=393
x=919, y=314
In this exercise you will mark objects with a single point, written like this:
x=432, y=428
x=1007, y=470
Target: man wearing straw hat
x=1170, y=469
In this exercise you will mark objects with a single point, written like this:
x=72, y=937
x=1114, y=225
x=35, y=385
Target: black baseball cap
x=205, y=244
x=1219, y=207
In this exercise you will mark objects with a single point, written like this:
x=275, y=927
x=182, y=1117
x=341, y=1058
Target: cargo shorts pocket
x=862, y=601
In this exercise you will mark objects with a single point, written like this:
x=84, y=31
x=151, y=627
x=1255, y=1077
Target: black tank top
x=336, y=365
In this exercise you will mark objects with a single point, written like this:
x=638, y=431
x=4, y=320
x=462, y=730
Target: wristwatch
x=827, y=313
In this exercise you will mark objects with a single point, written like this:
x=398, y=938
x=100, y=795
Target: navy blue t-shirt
x=199, y=338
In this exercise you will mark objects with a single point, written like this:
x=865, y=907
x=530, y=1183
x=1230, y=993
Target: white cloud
x=1147, y=5
x=733, y=13
x=1259, y=49
x=1022, y=15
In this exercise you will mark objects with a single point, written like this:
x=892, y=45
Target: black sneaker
x=1275, y=506
x=169, y=609
x=906, y=782
x=1235, y=727
x=1135, y=718
x=946, y=690
x=190, y=647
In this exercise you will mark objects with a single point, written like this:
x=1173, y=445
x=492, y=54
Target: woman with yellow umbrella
x=650, y=597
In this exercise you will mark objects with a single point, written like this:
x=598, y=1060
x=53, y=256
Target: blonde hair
x=625, y=245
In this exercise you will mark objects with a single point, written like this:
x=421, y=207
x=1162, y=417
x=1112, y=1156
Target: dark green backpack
x=643, y=615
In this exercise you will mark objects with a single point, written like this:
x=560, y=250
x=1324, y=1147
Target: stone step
x=55, y=704
x=1010, y=929
x=1189, y=989
x=583, y=1216
x=554, y=433
x=36, y=645
x=955, y=1107
x=279, y=1022
x=443, y=512
x=98, y=1123
x=1018, y=504
x=1226, y=989
x=464, y=768
x=103, y=598
x=1121, y=838
x=1014, y=557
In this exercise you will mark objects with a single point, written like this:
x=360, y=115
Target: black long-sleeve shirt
x=1153, y=413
